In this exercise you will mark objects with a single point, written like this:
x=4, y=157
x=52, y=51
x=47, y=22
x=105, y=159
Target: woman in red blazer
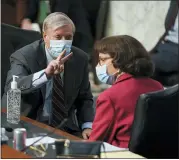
x=126, y=65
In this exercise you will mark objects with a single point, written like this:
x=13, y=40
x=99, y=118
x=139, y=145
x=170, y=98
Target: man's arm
x=28, y=82
x=84, y=102
x=31, y=15
x=32, y=9
x=169, y=22
x=26, y=78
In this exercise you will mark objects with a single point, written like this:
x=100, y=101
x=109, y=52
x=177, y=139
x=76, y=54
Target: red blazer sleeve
x=103, y=118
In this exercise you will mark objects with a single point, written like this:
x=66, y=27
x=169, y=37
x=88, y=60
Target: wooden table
x=8, y=152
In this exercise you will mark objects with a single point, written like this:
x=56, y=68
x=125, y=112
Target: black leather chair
x=155, y=127
x=12, y=39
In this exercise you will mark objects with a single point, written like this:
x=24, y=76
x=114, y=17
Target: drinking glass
x=40, y=148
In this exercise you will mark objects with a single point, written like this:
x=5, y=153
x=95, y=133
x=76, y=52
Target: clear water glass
x=40, y=148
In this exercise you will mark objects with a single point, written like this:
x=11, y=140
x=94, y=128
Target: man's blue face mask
x=102, y=75
x=57, y=46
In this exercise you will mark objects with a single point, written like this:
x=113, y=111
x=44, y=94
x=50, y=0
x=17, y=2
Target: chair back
x=155, y=126
x=13, y=38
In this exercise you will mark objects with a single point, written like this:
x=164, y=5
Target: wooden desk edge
x=44, y=126
x=9, y=153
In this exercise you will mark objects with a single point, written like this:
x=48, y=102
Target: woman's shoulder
x=107, y=93
x=155, y=82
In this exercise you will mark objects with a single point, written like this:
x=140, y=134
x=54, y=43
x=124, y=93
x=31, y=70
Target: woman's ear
x=116, y=67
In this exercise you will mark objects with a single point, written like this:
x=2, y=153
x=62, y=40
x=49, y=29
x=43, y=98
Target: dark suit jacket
x=171, y=14
x=116, y=106
x=31, y=59
x=166, y=53
x=169, y=21
x=74, y=9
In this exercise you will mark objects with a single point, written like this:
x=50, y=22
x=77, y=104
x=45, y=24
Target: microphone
x=59, y=126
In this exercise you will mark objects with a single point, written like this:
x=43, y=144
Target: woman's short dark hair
x=128, y=54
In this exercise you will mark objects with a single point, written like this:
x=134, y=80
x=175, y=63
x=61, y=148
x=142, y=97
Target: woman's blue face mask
x=102, y=75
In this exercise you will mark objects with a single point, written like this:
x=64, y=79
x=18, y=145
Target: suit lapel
x=69, y=80
x=42, y=61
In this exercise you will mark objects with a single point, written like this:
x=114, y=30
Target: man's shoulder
x=28, y=50
x=79, y=53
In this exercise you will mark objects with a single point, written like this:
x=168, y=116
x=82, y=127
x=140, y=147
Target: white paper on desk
x=48, y=140
x=110, y=148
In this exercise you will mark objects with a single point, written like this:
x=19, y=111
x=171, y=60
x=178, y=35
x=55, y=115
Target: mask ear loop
x=116, y=74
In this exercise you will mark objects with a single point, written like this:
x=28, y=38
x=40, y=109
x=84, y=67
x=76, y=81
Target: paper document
x=49, y=140
x=110, y=148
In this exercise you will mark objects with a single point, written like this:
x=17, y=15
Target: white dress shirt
x=173, y=33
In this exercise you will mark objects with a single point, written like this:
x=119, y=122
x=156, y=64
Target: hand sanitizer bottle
x=13, y=103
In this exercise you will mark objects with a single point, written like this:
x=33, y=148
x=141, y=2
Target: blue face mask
x=102, y=75
x=57, y=46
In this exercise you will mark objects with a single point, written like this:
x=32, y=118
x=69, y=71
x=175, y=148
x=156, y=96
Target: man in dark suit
x=165, y=55
x=50, y=94
x=74, y=9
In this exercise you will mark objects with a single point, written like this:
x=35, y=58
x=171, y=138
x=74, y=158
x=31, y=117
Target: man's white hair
x=56, y=20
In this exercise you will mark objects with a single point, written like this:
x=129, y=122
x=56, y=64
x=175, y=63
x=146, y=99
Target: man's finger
x=84, y=136
x=55, y=65
x=88, y=134
x=63, y=60
x=61, y=55
x=60, y=69
x=51, y=68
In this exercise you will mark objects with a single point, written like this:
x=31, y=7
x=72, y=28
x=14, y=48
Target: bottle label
x=13, y=106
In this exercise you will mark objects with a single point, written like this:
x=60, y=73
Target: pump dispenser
x=13, y=103
x=14, y=83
